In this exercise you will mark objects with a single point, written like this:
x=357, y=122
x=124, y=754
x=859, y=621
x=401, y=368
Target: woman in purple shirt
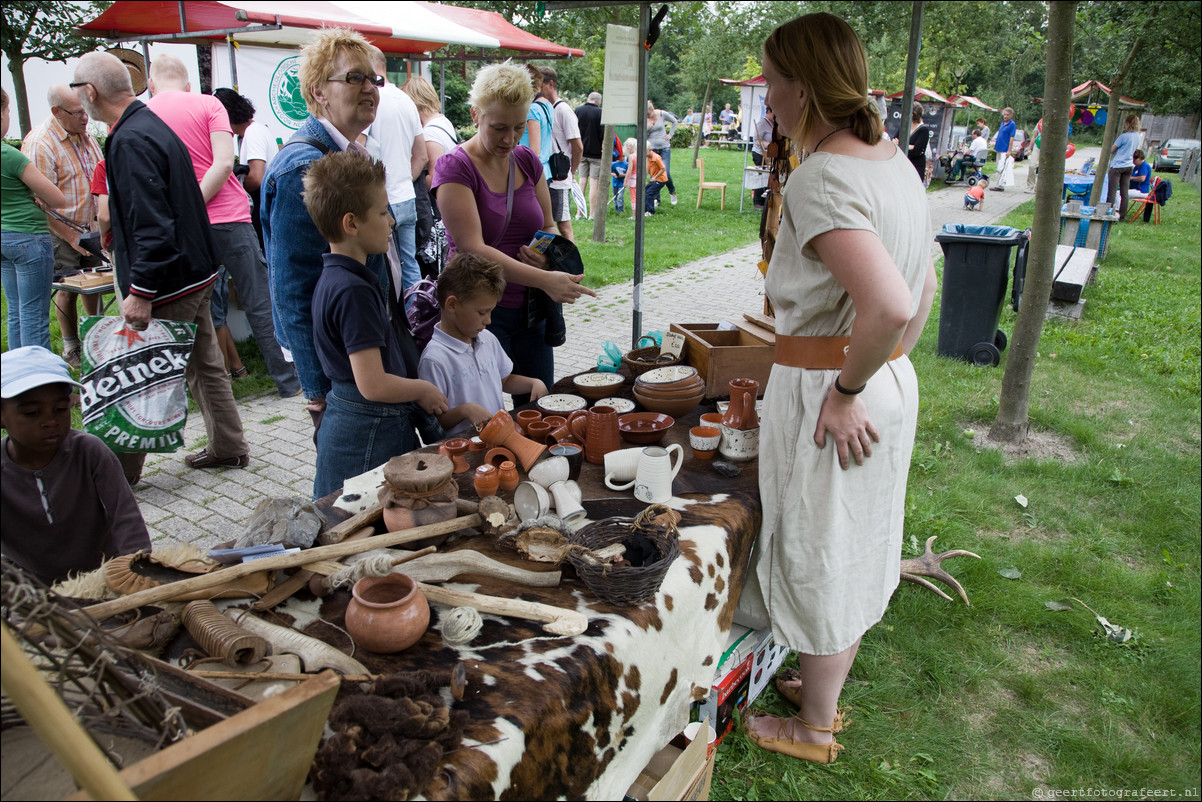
x=473, y=185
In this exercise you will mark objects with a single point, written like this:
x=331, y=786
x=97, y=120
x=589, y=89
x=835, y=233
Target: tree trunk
x=16, y=66
x=1011, y=422
x=701, y=125
x=607, y=161
x=1112, y=113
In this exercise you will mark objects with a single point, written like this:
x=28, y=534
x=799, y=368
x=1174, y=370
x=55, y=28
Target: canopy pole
x=229, y=43
x=146, y=60
x=183, y=19
x=641, y=184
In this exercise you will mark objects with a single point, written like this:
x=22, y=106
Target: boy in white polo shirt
x=464, y=359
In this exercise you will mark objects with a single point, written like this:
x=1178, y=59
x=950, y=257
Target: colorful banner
x=267, y=78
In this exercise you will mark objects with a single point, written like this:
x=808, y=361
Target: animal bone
x=447, y=566
x=313, y=653
x=556, y=620
x=913, y=570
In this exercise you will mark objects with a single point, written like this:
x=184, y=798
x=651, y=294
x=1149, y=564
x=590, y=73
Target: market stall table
x=579, y=717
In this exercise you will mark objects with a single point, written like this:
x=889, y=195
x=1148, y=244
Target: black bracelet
x=845, y=391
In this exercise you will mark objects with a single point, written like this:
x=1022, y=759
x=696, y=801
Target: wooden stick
x=338, y=532
x=289, y=587
x=275, y=676
x=329, y=567
x=556, y=620
x=54, y=724
x=206, y=581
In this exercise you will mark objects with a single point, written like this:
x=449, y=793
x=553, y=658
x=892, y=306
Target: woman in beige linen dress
x=852, y=260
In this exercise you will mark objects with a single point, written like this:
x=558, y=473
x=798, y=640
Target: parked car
x=1171, y=152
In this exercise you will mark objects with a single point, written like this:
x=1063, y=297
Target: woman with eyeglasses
x=26, y=253
x=340, y=88
x=493, y=201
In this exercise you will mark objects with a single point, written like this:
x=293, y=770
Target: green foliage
x=683, y=136
x=42, y=30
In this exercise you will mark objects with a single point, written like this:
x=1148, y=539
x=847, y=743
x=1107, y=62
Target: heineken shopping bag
x=134, y=396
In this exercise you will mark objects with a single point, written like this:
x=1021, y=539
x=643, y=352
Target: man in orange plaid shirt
x=63, y=150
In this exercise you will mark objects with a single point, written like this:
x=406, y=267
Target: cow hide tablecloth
x=579, y=717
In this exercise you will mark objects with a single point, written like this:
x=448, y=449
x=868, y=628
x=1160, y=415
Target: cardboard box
x=726, y=696
x=680, y=771
x=720, y=356
x=766, y=659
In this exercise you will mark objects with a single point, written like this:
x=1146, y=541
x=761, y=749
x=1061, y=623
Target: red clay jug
x=741, y=413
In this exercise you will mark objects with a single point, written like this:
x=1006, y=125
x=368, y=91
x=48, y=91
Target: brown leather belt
x=816, y=353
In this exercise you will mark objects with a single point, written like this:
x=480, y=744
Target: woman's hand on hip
x=845, y=417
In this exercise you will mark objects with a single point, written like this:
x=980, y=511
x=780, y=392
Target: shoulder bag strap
x=508, y=204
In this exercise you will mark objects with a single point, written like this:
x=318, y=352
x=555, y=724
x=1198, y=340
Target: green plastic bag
x=134, y=395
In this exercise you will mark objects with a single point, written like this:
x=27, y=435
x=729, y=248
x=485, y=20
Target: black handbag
x=561, y=166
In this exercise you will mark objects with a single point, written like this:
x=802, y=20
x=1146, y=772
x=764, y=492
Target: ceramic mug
x=622, y=465
x=653, y=480
x=738, y=445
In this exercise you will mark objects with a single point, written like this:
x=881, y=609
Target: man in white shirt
x=398, y=130
x=565, y=130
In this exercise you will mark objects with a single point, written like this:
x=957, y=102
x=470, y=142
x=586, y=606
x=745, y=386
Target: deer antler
x=928, y=564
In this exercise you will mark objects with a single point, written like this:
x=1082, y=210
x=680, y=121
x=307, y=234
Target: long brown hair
x=825, y=55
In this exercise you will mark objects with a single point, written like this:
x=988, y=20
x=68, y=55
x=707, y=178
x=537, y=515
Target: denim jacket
x=294, y=248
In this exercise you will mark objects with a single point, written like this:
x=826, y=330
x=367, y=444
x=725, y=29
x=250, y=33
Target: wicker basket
x=639, y=368
x=627, y=584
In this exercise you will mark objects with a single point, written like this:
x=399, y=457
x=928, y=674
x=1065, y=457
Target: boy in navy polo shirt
x=374, y=405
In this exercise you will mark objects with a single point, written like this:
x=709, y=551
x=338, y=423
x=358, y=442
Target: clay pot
x=457, y=450
x=495, y=456
x=525, y=417
x=598, y=430
x=508, y=475
x=387, y=614
x=500, y=431
x=539, y=431
x=741, y=413
x=704, y=441
x=486, y=480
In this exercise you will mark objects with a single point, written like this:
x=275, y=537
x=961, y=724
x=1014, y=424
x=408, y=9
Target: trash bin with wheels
x=976, y=268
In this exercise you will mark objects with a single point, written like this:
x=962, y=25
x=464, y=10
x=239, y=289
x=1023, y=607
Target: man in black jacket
x=166, y=262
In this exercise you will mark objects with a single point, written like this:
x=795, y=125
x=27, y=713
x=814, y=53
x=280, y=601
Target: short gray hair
x=105, y=73
x=56, y=94
x=167, y=70
x=594, y=97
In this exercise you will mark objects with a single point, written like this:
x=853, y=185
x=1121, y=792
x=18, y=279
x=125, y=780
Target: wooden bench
x=1074, y=269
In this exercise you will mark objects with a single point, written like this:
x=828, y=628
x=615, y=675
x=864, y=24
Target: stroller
x=973, y=168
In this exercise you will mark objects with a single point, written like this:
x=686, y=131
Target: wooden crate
x=87, y=281
x=720, y=356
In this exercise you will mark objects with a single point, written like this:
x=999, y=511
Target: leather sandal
x=792, y=695
x=802, y=750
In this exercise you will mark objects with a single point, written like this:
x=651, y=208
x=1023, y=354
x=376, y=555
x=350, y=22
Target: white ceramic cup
x=549, y=470
x=567, y=495
x=531, y=500
x=622, y=465
x=738, y=445
x=653, y=480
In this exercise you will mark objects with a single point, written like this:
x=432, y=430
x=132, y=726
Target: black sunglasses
x=358, y=78
x=78, y=84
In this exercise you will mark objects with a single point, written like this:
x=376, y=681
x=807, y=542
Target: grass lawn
x=1006, y=697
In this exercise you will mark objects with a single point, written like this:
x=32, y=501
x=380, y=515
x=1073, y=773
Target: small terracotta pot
x=486, y=480
x=538, y=431
x=456, y=449
x=525, y=417
x=387, y=614
x=508, y=475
